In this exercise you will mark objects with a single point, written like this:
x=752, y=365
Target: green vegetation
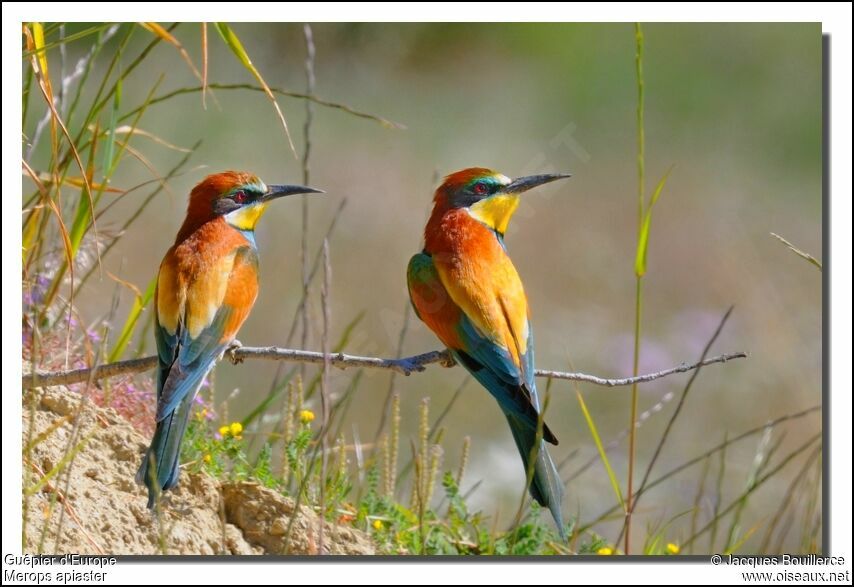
x=434, y=520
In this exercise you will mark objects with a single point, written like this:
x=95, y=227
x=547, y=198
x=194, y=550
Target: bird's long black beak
x=279, y=191
x=523, y=184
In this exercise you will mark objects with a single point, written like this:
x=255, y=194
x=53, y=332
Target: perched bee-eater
x=465, y=288
x=206, y=287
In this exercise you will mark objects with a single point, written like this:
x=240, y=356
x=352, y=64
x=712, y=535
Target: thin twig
x=640, y=378
x=405, y=366
x=306, y=180
x=324, y=390
x=320, y=101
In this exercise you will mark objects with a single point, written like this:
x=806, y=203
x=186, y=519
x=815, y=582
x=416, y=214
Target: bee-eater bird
x=465, y=288
x=206, y=287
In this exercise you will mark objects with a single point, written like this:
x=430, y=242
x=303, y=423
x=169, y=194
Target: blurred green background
x=735, y=107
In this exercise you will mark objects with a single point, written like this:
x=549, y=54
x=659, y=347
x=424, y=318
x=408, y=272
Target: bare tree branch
x=405, y=366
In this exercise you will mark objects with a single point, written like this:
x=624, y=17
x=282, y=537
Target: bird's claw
x=407, y=367
x=448, y=361
x=231, y=351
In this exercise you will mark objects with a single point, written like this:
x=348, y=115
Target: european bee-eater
x=465, y=288
x=206, y=287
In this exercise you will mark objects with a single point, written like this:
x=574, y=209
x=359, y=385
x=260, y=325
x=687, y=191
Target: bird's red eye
x=239, y=197
x=480, y=188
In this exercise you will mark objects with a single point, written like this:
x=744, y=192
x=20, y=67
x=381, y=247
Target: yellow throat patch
x=247, y=217
x=496, y=211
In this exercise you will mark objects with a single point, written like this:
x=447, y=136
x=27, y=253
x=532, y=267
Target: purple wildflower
x=93, y=335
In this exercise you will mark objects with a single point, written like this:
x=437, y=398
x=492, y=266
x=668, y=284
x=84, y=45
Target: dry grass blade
x=233, y=43
x=130, y=130
x=75, y=182
x=44, y=86
x=161, y=32
x=798, y=251
x=148, y=165
x=67, y=39
x=40, y=67
x=63, y=231
x=133, y=288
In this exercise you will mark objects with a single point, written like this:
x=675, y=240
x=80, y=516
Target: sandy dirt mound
x=102, y=511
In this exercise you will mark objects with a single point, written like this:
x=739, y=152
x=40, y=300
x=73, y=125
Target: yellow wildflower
x=236, y=428
x=207, y=458
x=672, y=548
x=378, y=524
x=223, y=431
x=306, y=416
x=605, y=551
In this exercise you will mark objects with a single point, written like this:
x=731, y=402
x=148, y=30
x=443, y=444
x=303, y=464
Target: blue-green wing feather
x=194, y=359
x=493, y=367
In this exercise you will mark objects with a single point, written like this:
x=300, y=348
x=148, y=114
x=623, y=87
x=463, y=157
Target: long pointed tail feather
x=160, y=465
x=546, y=486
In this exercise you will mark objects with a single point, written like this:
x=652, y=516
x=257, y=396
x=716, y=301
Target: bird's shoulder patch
x=170, y=295
x=431, y=301
x=206, y=293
